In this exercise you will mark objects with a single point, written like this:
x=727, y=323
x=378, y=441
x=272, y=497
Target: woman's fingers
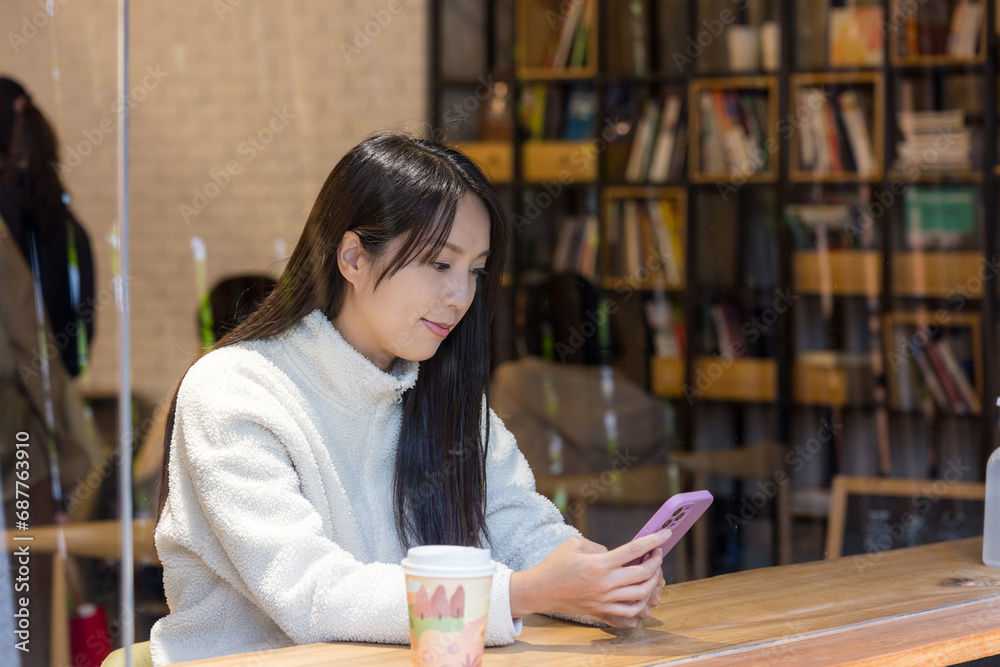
x=634, y=574
x=641, y=592
x=637, y=548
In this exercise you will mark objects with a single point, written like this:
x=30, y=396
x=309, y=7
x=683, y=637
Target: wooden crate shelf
x=938, y=274
x=740, y=379
x=842, y=272
x=832, y=378
x=667, y=376
x=874, y=124
x=535, y=26
x=496, y=158
x=563, y=161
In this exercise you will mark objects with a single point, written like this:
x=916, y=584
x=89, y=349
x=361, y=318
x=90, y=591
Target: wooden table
x=931, y=605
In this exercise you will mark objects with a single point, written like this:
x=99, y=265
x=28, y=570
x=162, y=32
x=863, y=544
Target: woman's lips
x=437, y=329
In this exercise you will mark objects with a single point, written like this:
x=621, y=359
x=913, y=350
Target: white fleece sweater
x=279, y=525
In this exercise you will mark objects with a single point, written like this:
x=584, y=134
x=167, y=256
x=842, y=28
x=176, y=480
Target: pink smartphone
x=678, y=514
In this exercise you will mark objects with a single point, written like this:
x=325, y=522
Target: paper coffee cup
x=448, y=596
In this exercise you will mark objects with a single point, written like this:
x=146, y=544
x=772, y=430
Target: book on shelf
x=563, y=42
x=931, y=30
x=666, y=320
x=581, y=113
x=639, y=38
x=637, y=168
x=856, y=36
x=666, y=139
x=576, y=247
x=731, y=140
x=966, y=24
x=939, y=218
x=966, y=392
x=835, y=137
x=942, y=366
x=654, y=154
x=645, y=235
x=934, y=141
x=531, y=110
x=728, y=335
x=858, y=136
x=823, y=225
x=558, y=111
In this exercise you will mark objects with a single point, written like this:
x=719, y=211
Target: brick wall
x=239, y=109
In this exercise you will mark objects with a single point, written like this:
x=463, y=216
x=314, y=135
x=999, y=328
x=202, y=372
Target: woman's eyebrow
x=457, y=250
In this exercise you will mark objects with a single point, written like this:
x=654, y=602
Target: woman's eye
x=480, y=273
x=441, y=266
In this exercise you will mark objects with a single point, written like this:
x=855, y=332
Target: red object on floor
x=88, y=636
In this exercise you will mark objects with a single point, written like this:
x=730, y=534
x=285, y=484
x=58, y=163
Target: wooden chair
x=141, y=657
x=845, y=486
x=764, y=462
x=92, y=539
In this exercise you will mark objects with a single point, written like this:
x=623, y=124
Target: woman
x=46, y=268
x=346, y=420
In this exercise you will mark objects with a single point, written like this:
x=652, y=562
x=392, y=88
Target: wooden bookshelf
x=819, y=385
x=921, y=326
x=848, y=297
x=838, y=272
x=736, y=379
x=667, y=376
x=832, y=378
x=768, y=85
x=653, y=273
x=539, y=23
x=937, y=274
x=874, y=123
x=561, y=161
x=495, y=158
x=903, y=9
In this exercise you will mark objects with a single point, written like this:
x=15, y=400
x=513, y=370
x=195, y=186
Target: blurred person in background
x=46, y=267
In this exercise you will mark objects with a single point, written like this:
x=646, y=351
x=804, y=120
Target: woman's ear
x=351, y=258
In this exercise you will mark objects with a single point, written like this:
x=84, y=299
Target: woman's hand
x=584, y=578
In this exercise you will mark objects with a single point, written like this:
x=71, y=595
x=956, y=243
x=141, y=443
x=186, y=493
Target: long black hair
x=33, y=203
x=385, y=187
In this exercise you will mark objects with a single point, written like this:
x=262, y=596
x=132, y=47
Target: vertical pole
x=124, y=348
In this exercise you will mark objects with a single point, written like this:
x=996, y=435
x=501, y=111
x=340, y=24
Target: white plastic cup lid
x=448, y=562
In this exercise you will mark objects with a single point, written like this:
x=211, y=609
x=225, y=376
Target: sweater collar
x=343, y=372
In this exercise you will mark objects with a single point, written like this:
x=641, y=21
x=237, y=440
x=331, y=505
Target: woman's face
x=411, y=312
